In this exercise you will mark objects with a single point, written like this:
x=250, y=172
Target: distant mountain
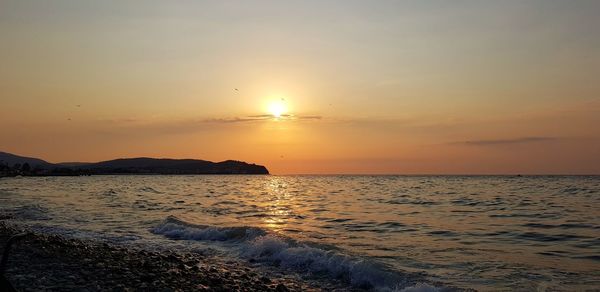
x=142, y=165
x=12, y=159
x=172, y=166
x=72, y=164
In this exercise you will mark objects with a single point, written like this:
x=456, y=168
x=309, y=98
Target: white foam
x=420, y=288
x=177, y=229
x=261, y=246
x=300, y=257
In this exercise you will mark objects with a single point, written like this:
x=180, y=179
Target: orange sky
x=473, y=87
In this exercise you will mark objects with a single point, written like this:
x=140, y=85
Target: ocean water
x=490, y=233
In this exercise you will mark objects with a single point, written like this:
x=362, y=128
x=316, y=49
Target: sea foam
x=175, y=228
x=259, y=245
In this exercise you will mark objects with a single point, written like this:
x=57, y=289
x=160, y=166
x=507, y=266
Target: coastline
x=55, y=263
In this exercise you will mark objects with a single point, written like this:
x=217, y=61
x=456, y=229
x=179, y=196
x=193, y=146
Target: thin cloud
x=522, y=140
x=230, y=120
x=151, y=126
x=309, y=117
x=262, y=117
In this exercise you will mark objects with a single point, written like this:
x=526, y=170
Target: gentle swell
x=27, y=212
x=258, y=245
x=174, y=228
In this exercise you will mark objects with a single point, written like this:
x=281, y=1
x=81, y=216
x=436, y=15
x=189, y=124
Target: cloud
x=231, y=120
x=263, y=117
x=521, y=140
x=153, y=126
x=309, y=117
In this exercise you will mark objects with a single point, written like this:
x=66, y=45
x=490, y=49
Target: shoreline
x=55, y=263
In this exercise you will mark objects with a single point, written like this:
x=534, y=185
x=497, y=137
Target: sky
x=306, y=87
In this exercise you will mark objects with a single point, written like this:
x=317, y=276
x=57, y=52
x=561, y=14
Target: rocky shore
x=54, y=263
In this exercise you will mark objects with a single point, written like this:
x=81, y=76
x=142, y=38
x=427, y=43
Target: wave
x=109, y=193
x=27, y=212
x=260, y=246
x=422, y=288
x=301, y=257
x=150, y=190
x=175, y=228
x=563, y=226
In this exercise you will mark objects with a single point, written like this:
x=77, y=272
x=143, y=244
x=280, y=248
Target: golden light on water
x=279, y=206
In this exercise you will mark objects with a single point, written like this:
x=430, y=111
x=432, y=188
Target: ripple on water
x=488, y=233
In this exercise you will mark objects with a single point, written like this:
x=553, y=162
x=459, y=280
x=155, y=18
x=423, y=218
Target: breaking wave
x=175, y=228
x=259, y=245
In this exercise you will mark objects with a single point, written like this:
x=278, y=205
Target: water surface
x=486, y=233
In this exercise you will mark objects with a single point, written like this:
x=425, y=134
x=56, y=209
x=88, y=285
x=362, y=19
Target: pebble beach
x=55, y=263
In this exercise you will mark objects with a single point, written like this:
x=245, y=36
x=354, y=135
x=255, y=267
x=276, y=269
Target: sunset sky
x=406, y=87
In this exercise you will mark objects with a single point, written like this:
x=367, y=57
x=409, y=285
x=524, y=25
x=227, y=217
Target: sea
x=488, y=233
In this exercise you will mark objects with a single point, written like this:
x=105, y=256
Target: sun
x=277, y=108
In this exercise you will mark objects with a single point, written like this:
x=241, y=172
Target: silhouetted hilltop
x=9, y=159
x=13, y=165
x=172, y=166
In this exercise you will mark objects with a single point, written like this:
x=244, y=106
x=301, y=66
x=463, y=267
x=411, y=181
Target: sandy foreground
x=50, y=262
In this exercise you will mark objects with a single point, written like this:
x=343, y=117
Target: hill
x=141, y=165
x=172, y=166
x=12, y=159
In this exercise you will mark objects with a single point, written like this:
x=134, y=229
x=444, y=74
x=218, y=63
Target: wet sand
x=50, y=262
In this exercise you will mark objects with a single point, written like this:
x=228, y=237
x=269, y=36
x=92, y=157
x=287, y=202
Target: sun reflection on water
x=279, y=207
